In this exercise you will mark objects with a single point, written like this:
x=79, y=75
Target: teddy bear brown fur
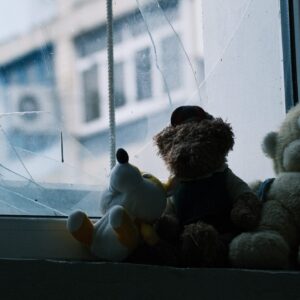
x=209, y=204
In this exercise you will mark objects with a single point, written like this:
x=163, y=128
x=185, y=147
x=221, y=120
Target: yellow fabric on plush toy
x=149, y=234
x=129, y=203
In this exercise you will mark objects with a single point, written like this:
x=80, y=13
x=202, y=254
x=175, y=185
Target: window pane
x=91, y=94
x=225, y=56
x=143, y=73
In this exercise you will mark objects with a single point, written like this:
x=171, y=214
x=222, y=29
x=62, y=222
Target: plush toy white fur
x=276, y=242
x=131, y=203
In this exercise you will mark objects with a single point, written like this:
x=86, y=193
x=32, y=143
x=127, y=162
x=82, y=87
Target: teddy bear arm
x=246, y=210
x=171, y=185
x=167, y=226
x=236, y=186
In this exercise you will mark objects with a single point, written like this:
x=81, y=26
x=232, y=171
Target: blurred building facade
x=59, y=65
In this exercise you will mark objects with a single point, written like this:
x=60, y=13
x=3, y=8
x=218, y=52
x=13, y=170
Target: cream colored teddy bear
x=276, y=242
x=131, y=203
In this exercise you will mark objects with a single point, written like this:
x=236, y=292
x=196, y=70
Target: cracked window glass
x=223, y=55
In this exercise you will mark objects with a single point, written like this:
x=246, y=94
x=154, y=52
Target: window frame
x=290, y=21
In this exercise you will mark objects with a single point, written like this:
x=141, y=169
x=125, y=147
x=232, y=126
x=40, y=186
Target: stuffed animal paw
x=246, y=211
x=168, y=228
x=201, y=245
x=112, y=238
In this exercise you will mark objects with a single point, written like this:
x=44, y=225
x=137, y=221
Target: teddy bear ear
x=188, y=112
x=122, y=156
x=269, y=144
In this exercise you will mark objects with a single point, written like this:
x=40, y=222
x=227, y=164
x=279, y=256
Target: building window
x=35, y=68
x=91, y=94
x=143, y=70
x=136, y=79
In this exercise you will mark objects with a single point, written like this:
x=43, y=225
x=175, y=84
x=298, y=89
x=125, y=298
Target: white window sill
x=38, y=238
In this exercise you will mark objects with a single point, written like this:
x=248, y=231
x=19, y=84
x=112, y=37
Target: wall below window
x=31, y=279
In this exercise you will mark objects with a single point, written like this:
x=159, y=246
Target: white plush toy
x=130, y=204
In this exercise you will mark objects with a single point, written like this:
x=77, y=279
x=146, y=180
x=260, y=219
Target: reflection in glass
x=56, y=52
x=171, y=62
x=28, y=103
x=91, y=94
x=143, y=74
x=120, y=99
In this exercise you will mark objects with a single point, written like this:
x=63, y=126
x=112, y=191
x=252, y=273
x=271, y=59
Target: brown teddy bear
x=276, y=242
x=209, y=205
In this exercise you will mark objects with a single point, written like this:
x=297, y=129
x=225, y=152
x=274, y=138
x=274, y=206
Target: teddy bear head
x=283, y=147
x=195, y=144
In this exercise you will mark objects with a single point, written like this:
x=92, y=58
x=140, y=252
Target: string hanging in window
x=110, y=63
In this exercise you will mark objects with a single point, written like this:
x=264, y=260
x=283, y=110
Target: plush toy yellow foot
x=113, y=237
x=149, y=234
x=81, y=227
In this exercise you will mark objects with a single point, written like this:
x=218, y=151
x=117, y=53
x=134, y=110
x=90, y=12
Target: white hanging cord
x=111, y=102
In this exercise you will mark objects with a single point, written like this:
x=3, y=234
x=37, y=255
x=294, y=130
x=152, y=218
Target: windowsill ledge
x=94, y=280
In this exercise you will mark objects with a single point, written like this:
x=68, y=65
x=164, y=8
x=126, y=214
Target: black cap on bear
x=122, y=156
x=187, y=113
